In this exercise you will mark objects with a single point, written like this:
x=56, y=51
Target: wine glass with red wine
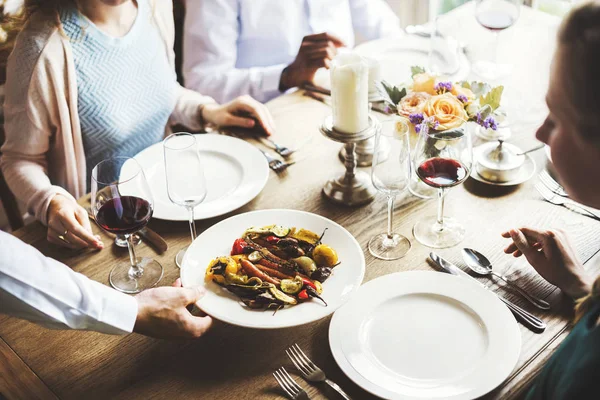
x=442, y=159
x=495, y=16
x=391, y=176
x=122, y=204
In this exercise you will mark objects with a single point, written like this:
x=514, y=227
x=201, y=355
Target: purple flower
x=418, y=128
x=442, y=87
x=463, y=98
x=416, y=119
x=491, y=123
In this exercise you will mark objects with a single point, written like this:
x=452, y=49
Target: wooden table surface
x=236, y=363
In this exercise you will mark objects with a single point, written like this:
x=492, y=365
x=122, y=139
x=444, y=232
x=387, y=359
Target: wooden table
x=236, y=363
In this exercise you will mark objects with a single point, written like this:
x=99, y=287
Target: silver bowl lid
x=501, y=156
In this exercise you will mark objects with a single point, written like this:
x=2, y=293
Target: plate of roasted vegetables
x=274, y=268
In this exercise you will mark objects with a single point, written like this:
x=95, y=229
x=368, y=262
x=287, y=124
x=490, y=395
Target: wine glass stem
x=390, y=216
x=440, y=213
x=135, y=271
x=192, y=223
x=495, y=50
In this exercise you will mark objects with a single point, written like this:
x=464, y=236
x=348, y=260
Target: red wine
x=495, y=20
x=442, y=172
x=124, y=215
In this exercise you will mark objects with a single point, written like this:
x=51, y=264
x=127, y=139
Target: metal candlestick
x=354, y=187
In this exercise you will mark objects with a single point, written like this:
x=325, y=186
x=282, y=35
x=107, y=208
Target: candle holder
x=364, y=152
x=354, y=187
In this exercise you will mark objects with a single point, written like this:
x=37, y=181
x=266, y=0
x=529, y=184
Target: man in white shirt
x=264, y=47
x=47, y=292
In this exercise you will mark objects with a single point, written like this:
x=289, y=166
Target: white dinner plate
x=425, y=335
x=397, y=55
x=223, y=305
x=235, y=171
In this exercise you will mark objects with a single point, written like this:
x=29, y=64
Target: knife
x=523, y=316
x=149, y=236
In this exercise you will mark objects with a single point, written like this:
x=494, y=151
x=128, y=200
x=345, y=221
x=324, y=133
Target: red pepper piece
x=239, y=247
x=308, y=282
x=303, y=295
x=272, y=239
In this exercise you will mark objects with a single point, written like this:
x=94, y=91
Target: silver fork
x=276, y=164
x=551, y=184
x=283, y=151
x=289, y=385
x=310, y=371
x=553, y=198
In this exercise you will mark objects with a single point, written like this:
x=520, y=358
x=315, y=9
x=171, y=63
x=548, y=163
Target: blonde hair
x=578, y=55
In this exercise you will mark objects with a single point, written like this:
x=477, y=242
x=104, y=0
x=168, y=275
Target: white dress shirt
x=47, y=292
x=237, y=47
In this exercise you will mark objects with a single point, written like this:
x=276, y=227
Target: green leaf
x=492, y=98
x=416, y=70
x=390, y=93
x=479, y=88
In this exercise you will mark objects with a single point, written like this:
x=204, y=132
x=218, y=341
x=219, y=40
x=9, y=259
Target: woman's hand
x=243, y=111
x=162, y=313
x=553, y=257
x=69, y=226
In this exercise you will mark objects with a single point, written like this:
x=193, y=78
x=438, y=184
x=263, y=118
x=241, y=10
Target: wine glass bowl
x=442, y=159
x=495, y=16
x=184, y=173
x=122, y=204
x=391, y=176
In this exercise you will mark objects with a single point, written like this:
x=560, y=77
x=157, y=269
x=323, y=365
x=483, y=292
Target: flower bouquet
x=431, y=103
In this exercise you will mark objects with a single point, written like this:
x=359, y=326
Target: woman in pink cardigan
x=93, y=79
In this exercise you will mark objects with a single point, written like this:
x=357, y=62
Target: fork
x=554, y=198
x=283, y=151
x=289, y=385
x=551, y=184
x=276, y=164
x=310, y=371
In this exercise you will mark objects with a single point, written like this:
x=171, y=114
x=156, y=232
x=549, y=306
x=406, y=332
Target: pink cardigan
x=43, y=152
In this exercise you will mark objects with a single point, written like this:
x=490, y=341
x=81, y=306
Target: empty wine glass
x=391, y=176
x=443, y=159
x=122, y=203
x=495, y=15
x=186, y=185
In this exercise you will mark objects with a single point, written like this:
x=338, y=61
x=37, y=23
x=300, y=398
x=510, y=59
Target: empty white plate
x=235, y=172
x=225, y=306
x=425, y=335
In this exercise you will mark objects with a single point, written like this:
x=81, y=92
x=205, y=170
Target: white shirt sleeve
x=210, y=35
x=374, y=19
x=47, y=292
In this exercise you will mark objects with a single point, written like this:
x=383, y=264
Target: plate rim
x=260, y=185
x=349, y=370
x=357, y=280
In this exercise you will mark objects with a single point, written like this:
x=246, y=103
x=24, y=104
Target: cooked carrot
x=252, y=270
x=273, y=272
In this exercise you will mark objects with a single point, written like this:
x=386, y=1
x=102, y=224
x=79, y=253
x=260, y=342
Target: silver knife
x=523, y=316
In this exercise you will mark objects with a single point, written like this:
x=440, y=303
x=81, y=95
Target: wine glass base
x=121, y=279
x=491, y=71
x=427, y=233
x=386, y=248
x=179, y=257
x=120, y=240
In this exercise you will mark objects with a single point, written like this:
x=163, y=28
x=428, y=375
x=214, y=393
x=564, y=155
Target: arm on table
x=211, y=32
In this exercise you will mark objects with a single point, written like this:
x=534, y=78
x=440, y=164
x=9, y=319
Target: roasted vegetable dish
x=275, y=266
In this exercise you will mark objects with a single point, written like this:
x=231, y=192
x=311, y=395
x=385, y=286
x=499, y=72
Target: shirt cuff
x=119, y=313
x=270, y=80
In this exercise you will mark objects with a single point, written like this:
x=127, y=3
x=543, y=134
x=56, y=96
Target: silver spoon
x=479, y=264
x=541, y=146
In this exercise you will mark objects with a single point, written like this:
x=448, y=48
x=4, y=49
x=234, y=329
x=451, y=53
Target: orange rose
x=424, y=82
x=413, y=103
x=447, y=110
x=458, y=90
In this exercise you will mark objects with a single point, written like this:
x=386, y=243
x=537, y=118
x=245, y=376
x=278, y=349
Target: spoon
x=479, y=264
x=541, y=146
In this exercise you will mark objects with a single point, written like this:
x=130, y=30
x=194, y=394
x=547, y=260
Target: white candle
x=350, y=93
x=374, y=74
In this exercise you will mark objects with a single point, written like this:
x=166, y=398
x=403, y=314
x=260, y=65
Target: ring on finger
x=63, y=237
